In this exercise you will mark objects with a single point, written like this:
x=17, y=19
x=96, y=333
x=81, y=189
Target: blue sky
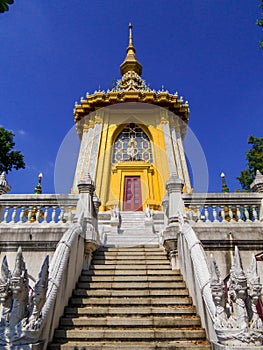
x=53, y=52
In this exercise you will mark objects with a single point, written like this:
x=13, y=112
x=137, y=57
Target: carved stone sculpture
x=21, y=305
x=5, y=292
x=39, y=296
x=4, y=186
x=19, y=288
x=147, y=212
x=218, y=294
x=254, y=291
x=115, y=212
x=240, y=323
x=238, y=294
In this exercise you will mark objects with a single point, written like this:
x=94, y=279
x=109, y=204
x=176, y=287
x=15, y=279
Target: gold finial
x=130, y=38
x=130, y=63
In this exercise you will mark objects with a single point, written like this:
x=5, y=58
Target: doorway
x=132, y=200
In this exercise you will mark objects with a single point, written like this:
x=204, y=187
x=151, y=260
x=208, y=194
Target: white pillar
x=183, y=162
x=169, y=148
x=94, y=150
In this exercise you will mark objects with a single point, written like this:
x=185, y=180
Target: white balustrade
x=37, y=209
x=224, y=207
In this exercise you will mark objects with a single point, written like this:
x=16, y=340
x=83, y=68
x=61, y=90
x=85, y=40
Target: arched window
x=132, y=144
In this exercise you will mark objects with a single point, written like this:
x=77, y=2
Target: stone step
x=130, y=285
x=131, y=262
x=129, y=334
x=126, y=310
x=128, y=226
x=130, y=293
x=142, y=272
x=131, y=242
x=133, y=345
x=129, y=278
x=134, y=267
x=130, y=222
x=125, y=254
x=126, y=233
x=111, y=321
x=131, y=301
x=142, y=248
x=120, y=256
x=132, y=213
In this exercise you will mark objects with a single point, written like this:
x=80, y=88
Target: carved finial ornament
x=131, y=63
x=4, y=186
x=239, y=324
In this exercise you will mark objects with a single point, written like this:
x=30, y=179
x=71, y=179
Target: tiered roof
x=131, y=88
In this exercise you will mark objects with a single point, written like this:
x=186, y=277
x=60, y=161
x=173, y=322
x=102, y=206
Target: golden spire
x=130, y=63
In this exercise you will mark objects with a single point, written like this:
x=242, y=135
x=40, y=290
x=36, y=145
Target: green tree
x=9, y=159
x=260, y=22
x=4, y=5
x=254, y=162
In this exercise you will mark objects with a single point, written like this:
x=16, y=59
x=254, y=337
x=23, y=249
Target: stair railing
x=194, y=267
x=186, y=252
x=73, y=251
x=228, y=323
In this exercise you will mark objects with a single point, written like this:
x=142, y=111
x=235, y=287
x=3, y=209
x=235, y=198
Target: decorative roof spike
x=225, y=188
x=131, y=63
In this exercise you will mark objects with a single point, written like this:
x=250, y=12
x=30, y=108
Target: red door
x=132, y=200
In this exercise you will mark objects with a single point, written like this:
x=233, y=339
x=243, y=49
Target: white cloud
x=22, y=132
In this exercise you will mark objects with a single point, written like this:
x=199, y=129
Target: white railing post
x=174, y=188
x=175, y=208
x=86, y=214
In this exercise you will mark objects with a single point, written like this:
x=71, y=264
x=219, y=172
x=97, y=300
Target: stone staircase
x=134, y=219
x=130, y=299
x=132, y=231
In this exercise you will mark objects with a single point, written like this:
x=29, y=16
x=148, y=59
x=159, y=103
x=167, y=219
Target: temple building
x=131, y=140
x=132, y=257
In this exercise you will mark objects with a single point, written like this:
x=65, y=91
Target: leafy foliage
x=254, y=162
x=260, y=22
x=9, y=159
x=4, y=5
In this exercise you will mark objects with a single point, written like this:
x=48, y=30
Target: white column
x=94, y=150
x=183, y=161
x=169, y=148
x=176, y=154
x=83, y=153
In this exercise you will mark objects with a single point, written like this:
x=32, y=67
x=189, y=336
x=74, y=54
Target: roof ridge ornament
x=131, y=63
